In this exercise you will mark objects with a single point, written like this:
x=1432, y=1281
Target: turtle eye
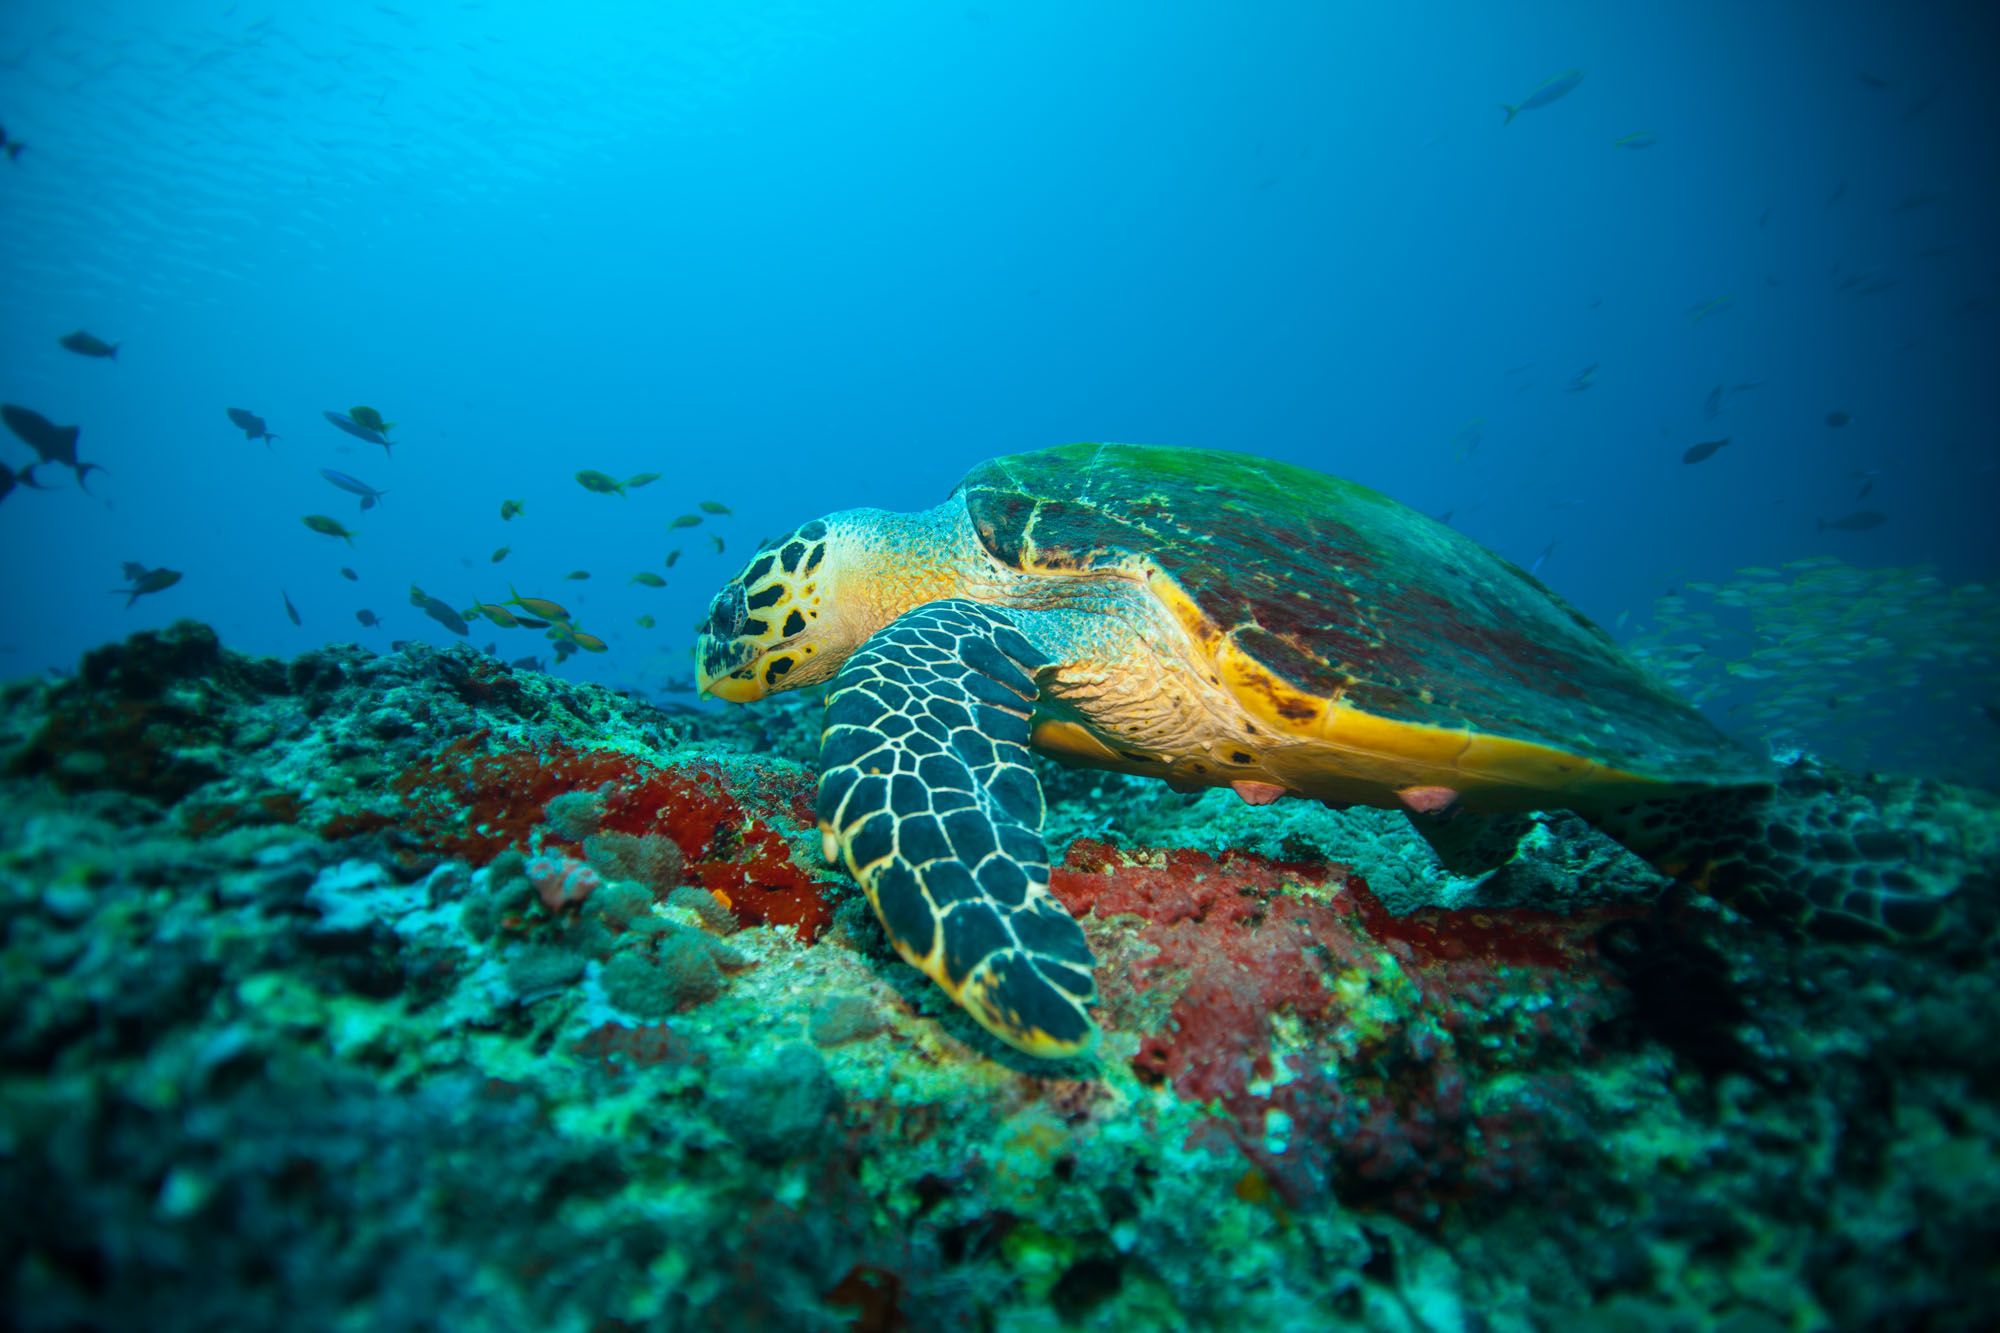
x=727, y=613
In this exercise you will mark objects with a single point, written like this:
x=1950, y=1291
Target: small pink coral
x=562, y=880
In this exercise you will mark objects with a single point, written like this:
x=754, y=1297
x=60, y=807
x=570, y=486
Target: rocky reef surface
x=416, y=992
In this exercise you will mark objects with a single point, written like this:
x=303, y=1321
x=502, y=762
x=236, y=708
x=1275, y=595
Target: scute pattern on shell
x=1346, y=595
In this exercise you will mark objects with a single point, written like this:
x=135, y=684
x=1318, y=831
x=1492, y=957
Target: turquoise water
x=797, y=258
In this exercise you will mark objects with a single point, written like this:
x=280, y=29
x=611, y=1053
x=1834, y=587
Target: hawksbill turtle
x=1217, y=619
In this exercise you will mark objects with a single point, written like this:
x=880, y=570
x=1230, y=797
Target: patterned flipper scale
x=1800, y=854
x=927, y=797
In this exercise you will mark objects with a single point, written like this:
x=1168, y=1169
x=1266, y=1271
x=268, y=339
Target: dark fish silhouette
x=368, y=619
x=56, y=444
x=1923, y=104
x=1837, y=419
x=438, y=611
x=13, y=146
x=251, y=425
x=145, y=581
x=9, y=479
x=290, y=610
x=1706, y=449
x=86, y=344
x=349, y=575
x=1712, y=409
x=1860, y=521
x=357, y=430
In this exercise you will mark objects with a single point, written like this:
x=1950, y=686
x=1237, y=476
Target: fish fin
x=26, y=476
x=81, y=469
x=1512, y=111
x=14, y=150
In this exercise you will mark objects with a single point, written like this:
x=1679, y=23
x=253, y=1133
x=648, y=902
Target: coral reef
x=415, y=991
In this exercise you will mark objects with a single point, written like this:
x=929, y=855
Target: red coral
x=1375, y=1103
x=618, y=1050
x=474, y=801
x=208, y=818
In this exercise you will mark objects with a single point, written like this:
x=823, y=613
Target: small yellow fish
x=328, y=527
x=590, y=643
x=370, y=418
x=643, y=479
x=715, y=507
x=650, y=579
x=644, y=622
x=498, y=615
x=501, y=554
x=685, y=521
x=672, y=556
x=600, y=483
x=577, y=574
x=717, y=539
x=539, y=606
x=509, y=508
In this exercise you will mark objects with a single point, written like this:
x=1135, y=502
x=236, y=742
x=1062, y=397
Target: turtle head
x=777, y=624
x=808, y=599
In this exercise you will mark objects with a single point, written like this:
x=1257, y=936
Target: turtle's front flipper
x=926, y=795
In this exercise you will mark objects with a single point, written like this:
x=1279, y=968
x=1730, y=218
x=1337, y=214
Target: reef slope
x=412, y=991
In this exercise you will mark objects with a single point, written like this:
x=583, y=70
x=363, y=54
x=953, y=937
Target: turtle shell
x=1334, y=614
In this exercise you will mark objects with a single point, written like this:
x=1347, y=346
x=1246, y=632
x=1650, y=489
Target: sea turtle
x=1213, y=618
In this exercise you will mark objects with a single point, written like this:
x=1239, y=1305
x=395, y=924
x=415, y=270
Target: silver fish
x=370, y=497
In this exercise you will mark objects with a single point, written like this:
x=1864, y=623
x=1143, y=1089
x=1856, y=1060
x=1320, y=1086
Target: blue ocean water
x=797, y=258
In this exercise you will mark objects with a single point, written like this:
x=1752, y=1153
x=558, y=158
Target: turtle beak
x=723, y=669
x=737, y=687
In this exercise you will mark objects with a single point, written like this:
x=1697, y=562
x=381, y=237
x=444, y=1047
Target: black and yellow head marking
x=757, y=636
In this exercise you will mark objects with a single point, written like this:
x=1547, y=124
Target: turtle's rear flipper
x=925, y=794
x=1803, y=853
